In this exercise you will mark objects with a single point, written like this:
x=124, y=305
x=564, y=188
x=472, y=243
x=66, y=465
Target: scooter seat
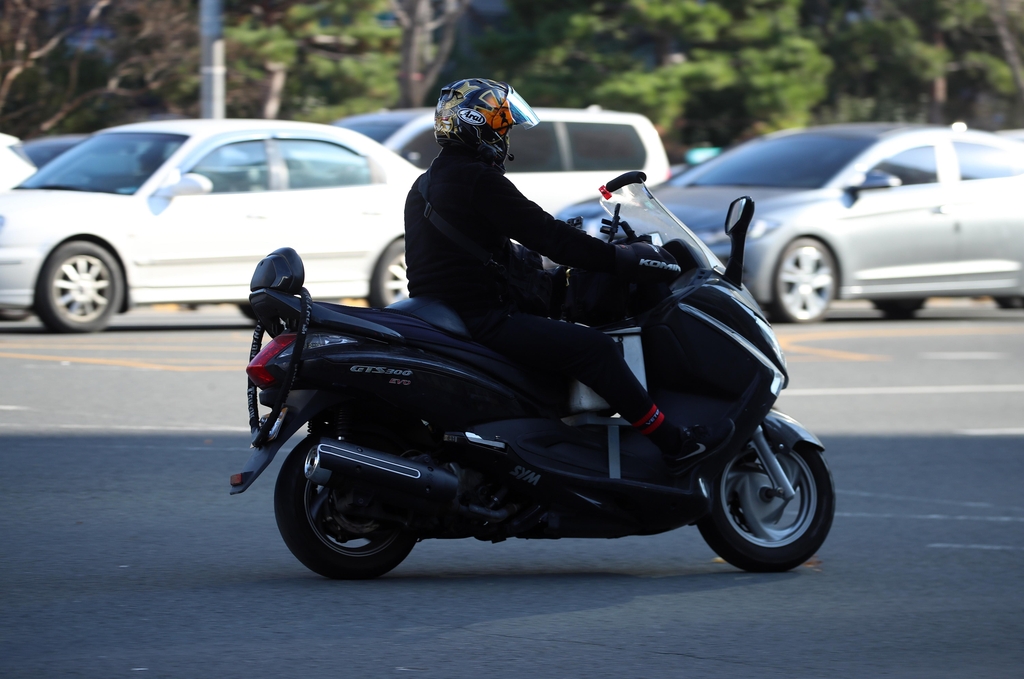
x=433, y=311
x=545, y=389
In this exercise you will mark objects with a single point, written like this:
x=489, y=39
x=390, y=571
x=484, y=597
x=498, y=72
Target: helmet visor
x=522, y=114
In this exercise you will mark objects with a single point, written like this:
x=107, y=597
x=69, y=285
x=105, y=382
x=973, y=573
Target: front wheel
x=314, y=525
x=805, y=282
x=755, y=531
x=79, y=288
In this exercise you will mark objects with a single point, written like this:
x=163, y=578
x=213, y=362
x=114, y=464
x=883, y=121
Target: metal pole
x=212, y=68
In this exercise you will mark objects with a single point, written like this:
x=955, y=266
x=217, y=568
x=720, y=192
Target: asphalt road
x=121, y=553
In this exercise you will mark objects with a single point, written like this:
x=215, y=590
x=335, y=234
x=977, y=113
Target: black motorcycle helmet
x=478, y=113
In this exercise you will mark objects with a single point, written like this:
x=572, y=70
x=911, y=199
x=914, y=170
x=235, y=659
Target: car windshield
x=117, y=162
x=646, y=216
x=806, y=161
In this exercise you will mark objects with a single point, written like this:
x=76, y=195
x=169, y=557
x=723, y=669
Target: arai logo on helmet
x=472, y=117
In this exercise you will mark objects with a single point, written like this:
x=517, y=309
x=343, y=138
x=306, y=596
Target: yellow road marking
x=126, y=364
x=794, y=343
x=238, y=349
x=899, y=332
x=832, y=353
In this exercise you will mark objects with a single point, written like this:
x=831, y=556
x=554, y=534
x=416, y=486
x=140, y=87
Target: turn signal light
x=257, y=368
x=236, y=479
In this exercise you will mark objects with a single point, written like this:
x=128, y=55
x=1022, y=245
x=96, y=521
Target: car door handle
x=942, y=210
x=255, y=216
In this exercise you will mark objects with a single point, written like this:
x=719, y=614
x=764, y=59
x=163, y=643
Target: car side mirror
x=877, y=179
x=190, y=184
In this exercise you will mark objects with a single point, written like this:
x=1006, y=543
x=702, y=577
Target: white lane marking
x=963, y=355
x=13, y=408
x=994, y=548
x=127, y=427
x=909, y=498
x=1006, y=431
x=933, y=517
x=923, y=389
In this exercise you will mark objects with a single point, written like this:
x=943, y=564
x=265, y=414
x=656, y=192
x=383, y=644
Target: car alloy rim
x=396, y=280
x=807, y=281
x=760, y=517
x=81, y=288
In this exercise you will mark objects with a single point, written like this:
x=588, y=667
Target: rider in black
x=467, y=187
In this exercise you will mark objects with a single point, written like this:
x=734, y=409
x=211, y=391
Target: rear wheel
x=757, y=532
x=898, y=308
x=390, y=282
x=805, y=282
x=1010, y=302
x=314, y=525
x=79, y=288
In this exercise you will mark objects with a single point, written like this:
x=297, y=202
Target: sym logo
x=524, y=474
x=472, y=117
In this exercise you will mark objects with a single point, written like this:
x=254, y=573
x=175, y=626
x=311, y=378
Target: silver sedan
x=884, y=212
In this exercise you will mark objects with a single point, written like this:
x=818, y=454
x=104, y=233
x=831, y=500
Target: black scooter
x=416, y=431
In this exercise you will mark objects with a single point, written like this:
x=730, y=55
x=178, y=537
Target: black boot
x=698, y=443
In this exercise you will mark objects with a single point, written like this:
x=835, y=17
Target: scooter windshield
x=646, y=216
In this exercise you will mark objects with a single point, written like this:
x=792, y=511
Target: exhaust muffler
x=405, y=482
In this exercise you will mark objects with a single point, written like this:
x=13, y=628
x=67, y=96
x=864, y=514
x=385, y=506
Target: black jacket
x=477, y=199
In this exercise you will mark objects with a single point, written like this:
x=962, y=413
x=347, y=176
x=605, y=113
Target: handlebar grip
x=634, y=177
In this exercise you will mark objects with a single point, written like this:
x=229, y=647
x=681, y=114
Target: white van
x=561, y=161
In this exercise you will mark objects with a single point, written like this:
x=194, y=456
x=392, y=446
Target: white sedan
x=181, y=211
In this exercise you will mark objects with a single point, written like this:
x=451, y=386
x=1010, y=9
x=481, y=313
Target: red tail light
x=257, y=368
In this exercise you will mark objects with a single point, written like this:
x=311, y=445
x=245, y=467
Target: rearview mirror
x=190, y=184
x=737, y=221
x=737, y=212
x=877, y=179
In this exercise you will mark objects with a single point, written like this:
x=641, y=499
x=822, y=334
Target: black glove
x=645, y=263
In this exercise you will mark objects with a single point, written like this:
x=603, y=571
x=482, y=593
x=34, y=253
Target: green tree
x=70, y=65
x=310, y=60
x=916, y=60
x=702, y=71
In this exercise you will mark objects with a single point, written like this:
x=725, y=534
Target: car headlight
x=762, y=226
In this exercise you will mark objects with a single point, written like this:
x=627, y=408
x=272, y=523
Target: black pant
x=586, y=354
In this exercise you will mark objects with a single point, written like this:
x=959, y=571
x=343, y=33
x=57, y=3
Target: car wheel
x=898, y=308
x=1010, y=302
x=805, y=282
x=79, y=289
x=390, y=282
